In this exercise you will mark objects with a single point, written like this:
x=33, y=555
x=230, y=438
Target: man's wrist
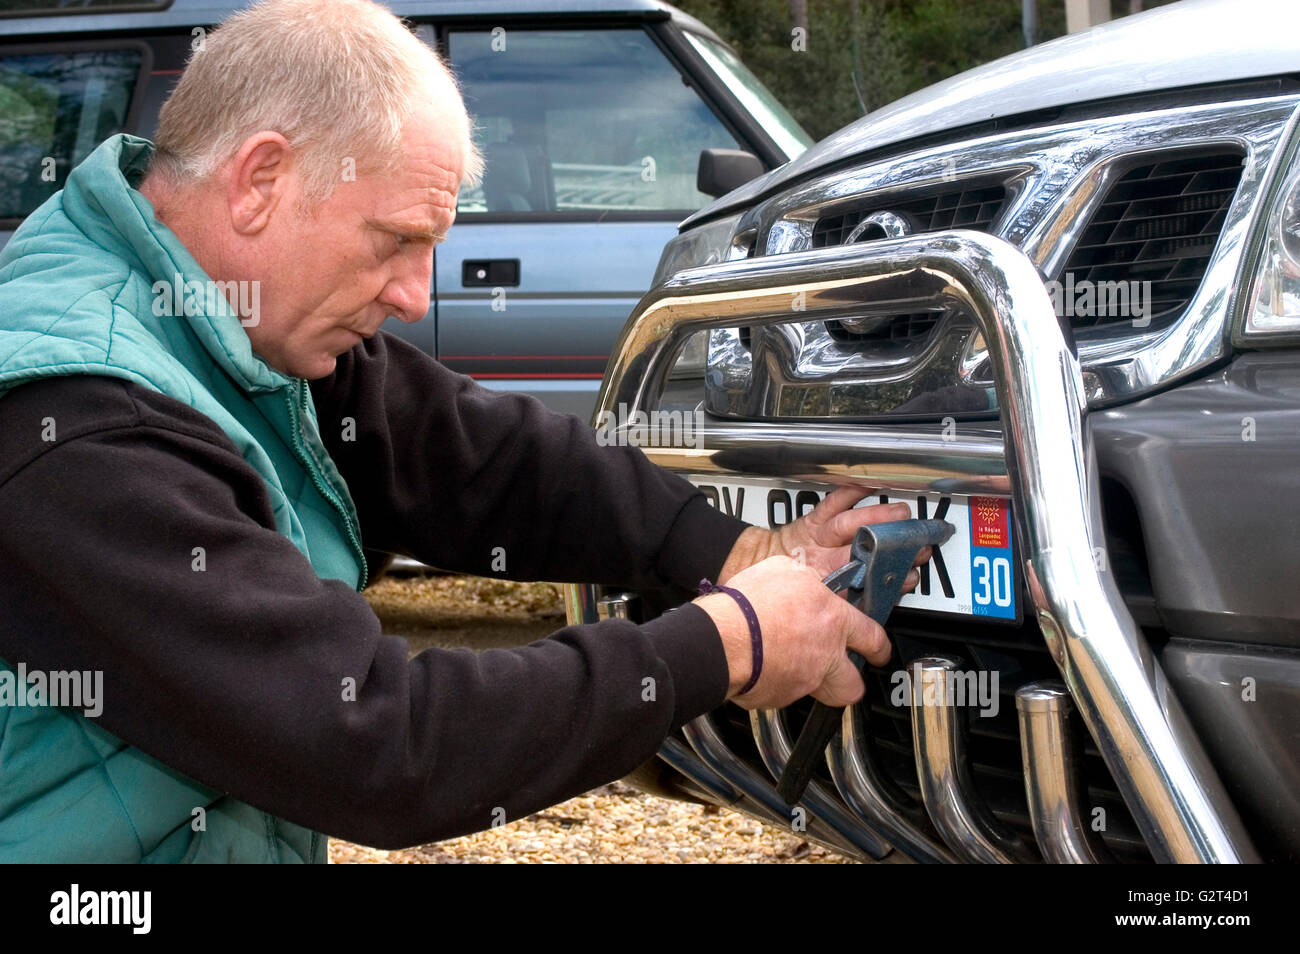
x=733, y=630
x=752, y=546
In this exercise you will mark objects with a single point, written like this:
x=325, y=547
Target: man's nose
x=407, y=293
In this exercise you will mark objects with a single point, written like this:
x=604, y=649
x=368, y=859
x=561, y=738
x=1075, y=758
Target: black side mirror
x=722, y=170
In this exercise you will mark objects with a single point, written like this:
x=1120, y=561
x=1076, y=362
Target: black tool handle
x=816, y=735
x=884, y=553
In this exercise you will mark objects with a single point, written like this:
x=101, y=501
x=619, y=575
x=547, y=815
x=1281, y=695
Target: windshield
x=753, y=95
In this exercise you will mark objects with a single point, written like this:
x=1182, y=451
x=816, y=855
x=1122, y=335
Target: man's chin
x=320, y=368
x=318, y=361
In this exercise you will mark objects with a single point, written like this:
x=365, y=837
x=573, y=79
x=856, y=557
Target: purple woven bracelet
x=755, y=634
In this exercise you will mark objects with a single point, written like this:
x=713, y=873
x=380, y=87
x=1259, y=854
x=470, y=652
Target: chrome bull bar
x=1046, y=464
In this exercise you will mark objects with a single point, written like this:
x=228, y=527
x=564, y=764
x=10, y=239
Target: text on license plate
x=973, y=574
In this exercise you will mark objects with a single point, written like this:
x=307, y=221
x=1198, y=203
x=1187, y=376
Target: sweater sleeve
x=251, y=675
x=461, y=477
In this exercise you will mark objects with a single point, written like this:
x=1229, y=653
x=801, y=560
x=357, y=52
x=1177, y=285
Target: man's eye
x=393, y=244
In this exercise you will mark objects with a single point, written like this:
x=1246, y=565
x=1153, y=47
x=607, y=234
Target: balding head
x=337, y=78
x=313, y=151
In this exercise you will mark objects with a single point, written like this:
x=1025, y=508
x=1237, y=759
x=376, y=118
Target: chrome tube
x=972, y=462
x=703, y=737
x=867, y=794
x=1161, y=768
x=680, y=757
x=1053, y=785
x=943, y=771
x=774, y=747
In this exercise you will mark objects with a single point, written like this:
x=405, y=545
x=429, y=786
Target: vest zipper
x=296, y=410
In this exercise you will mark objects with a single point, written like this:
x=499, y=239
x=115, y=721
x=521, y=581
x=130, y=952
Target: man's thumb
x=868, y=638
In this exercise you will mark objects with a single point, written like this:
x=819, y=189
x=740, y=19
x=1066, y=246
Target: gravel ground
x=450, y=611
x=614, y=823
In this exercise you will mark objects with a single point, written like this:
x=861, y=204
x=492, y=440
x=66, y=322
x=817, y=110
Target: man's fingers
x=868, y=638
x=841, y=498
x=840, y=503
x=842, y=685
x=843, y=526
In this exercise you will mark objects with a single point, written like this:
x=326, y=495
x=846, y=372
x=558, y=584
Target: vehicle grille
x=1158, y=223
x=971, y=207
x=974, y=206
x=1019, y=656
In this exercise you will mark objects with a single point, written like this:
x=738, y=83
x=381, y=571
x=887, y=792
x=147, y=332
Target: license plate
x=973, y=574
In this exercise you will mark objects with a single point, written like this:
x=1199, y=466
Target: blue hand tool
x=882, y=554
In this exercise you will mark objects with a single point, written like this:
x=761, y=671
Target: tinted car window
x=28, y=7
x=756, y=97
x=581, y=120
x=55, y=108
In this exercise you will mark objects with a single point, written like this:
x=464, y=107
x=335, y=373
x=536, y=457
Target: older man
x=186, y=514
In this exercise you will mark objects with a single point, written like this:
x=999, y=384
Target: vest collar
x=100, y=198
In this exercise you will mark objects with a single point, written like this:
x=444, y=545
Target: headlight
x=1271, y=310
x=708, y=244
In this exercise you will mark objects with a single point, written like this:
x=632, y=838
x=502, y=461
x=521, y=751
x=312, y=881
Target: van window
x=755, y=97
x=35, y=7
x=55, y=108
x=578, y=121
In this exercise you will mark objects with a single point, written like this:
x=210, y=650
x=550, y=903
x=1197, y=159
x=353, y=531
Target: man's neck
x=186, y=211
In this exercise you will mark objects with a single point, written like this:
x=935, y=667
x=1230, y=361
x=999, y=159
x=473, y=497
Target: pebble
x=614, y=824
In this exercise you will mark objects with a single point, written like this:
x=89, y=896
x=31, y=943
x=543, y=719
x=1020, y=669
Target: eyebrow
x=425, y=233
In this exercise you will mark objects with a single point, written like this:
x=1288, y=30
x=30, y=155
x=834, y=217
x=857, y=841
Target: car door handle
x=489, y=273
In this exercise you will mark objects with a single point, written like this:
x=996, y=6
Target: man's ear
x=262, y=173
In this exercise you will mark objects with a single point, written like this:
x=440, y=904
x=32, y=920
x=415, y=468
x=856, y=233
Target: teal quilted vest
x=77, y=296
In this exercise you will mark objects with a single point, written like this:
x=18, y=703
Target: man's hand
x=819, y=539
x=805, y=629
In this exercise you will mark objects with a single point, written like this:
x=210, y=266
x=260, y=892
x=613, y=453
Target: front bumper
x=1043, y=460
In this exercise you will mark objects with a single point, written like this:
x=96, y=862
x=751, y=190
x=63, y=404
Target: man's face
x=362, y=255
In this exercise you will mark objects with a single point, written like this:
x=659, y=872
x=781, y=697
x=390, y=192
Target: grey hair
x=336, y=78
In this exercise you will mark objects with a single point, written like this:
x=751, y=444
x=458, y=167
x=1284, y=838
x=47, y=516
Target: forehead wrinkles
x=444, y=176
x=419, y=194
x=422, y=184
x=442, y=198
x=433, y=151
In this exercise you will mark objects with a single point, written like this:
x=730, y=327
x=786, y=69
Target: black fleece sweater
x=237, y=674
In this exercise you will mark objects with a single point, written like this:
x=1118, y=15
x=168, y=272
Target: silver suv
x=1056, y=302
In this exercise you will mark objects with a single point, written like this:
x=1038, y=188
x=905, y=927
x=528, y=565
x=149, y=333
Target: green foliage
x=867, y=52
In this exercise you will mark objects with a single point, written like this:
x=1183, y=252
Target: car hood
x=1184, y=44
